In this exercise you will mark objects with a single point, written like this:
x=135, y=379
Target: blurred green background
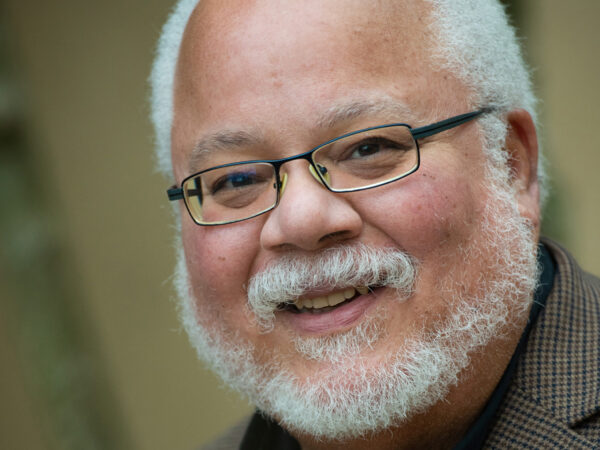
x=91, y=353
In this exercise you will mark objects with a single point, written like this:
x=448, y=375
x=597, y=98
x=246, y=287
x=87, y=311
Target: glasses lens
x=229, y=194
x=367, y=159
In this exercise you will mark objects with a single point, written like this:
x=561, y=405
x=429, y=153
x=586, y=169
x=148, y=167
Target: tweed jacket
x=554, y=397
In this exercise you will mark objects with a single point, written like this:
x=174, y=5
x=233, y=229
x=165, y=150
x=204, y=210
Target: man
x=357, y=186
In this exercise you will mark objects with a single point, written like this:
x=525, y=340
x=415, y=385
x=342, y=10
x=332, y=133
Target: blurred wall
x=562, y=40
x=82, y=69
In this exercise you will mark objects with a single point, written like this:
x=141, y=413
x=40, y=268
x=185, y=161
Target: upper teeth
x=330, y=300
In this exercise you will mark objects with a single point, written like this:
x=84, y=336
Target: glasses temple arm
x=175, y=193
x=438, y=127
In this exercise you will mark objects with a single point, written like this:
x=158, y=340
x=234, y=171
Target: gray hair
x=162, y=81
x=474, y=40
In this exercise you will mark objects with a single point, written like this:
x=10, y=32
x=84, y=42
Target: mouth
x=332, y=312
x=325, y=303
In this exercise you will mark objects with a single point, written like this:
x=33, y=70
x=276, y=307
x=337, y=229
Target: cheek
x=433, y=210
x=219, y=260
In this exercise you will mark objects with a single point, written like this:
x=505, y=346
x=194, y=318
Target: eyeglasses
x=355, y=161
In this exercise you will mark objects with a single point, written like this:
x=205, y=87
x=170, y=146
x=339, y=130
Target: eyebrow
x=222, y=140
x=343, y=111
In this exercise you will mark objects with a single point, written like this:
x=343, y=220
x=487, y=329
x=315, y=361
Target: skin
x=241, y=68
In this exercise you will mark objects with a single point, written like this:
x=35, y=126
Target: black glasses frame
x=176, y=193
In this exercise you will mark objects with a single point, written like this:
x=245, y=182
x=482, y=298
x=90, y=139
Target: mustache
x=293, y=276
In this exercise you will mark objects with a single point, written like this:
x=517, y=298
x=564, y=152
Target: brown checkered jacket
x=554, y=398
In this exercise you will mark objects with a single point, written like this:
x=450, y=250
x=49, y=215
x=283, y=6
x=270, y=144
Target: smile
x=349, y=305
x=325, y=303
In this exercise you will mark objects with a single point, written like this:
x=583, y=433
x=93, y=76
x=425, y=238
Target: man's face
x=294, y=75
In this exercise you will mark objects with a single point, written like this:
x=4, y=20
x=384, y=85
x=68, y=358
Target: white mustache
x=292, y=276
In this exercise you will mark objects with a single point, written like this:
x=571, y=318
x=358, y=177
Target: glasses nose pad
x=324, y=173
x=283, y=183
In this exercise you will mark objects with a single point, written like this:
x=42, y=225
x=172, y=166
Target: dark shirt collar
x=265, y=434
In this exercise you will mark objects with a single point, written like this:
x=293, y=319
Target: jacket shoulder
x=554, y=399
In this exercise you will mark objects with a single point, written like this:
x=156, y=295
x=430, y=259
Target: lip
x=335, y=320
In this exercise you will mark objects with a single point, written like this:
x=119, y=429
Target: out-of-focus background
x=91, y=353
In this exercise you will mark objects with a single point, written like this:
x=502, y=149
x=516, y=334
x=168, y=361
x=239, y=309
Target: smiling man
x=357, y=186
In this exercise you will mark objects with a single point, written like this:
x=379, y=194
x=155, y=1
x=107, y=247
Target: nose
x=309, y=216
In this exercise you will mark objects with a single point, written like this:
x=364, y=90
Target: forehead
x=274, y=24
x=253, y=64
x=231, y=38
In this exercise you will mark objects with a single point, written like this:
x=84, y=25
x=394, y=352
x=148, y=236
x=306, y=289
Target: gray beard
x=348, y=397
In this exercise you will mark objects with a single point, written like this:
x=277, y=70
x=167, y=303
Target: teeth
x=320, y=302
x=308, y=303
x=336, y=299
x=362, y=290
x=330, y=300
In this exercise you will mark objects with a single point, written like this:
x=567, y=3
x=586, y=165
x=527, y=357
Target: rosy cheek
x=219, y=260
x=425, y=213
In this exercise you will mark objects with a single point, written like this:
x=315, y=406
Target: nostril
x=335, y=236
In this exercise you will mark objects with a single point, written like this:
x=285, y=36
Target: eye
x=372, y=147
x=235, y=180
x=365, y=149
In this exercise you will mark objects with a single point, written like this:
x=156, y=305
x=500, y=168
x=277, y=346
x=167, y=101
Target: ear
x=522, y=147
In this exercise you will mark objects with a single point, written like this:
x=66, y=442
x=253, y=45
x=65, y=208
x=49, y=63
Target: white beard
x=349, y=396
